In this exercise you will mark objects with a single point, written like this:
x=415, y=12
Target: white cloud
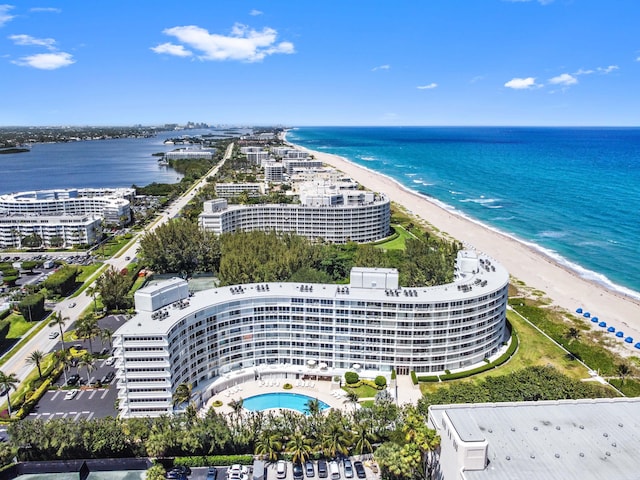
x=522, y=83
x=477, y=78
x=564, y=79
x=609, y=69
x=430, y=86
x=45, y=9
x=46, y=61
x=638, y=59
x=583, y=71
x=243, y=44
x=48, y=43
x=381, y=67
x=172, y=49
x=255, y=13
x=4, y=14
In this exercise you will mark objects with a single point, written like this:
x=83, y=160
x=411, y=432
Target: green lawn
x=363, y=391
x=19, y=326
x=397, y=243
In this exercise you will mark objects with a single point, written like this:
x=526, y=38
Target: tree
x=57, y=320
x=363, y=439
x=299, y=447
x=87, y=328
x=8, y=383
x=93, y=291
x=87, y=361
x=63, y=359
x=156, y=472
x=573, y=334
x=352, y=397
x=269, y=445
x=623, y=370
x=114, y=288
x=106, y=334
x=313, y=406
x=182, y=394
x=34, y=359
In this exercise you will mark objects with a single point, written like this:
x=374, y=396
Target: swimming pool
x=291, y=401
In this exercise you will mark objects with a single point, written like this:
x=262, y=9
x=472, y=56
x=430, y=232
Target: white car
x=72, y=304
x=53, y=335
x=110, y=361
x=70, y=394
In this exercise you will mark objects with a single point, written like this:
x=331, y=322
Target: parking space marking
x=75, y=419
x=90, y=415
x=92, y=394
x=72, y=413
x=53, y=397
x=104, y=394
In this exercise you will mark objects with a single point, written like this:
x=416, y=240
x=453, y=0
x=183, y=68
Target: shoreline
x=563, y=287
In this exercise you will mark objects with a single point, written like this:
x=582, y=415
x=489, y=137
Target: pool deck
x=321, y=389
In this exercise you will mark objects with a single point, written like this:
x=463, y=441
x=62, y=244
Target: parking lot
x=88, y=402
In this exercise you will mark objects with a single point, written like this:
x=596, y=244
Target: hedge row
x=213, y=460
x=467, y=373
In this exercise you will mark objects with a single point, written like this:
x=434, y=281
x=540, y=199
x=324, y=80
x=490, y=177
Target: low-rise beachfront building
x=190, y=154
x=291, y=164
x=214, y=337
x=288, y=152
x=586, y=439
x=273, y=172
x=229, y=190
x=335, y=217
x=258, y=158
x=73, y=215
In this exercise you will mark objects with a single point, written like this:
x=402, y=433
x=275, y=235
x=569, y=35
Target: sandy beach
x=563, y=287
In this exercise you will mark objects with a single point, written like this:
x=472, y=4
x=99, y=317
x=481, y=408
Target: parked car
x=323, y=471
x=73, y=379
x=297, y=471
x=348, y=468
x=281, y=469
x=309, y=471
x=335, y=470
x=360, y=471
x=212, y=473
x=72, y=304
x=110, y=361
x=108, y=377
x=70, y=394
x=53, y=335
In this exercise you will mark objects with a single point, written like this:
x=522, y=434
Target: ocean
x=570, y=193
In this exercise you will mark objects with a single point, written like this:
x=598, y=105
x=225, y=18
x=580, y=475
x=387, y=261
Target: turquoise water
x=571, y=193
x=291, y=401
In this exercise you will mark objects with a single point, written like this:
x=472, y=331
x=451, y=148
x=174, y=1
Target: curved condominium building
x=206, y=337
x=356, y=216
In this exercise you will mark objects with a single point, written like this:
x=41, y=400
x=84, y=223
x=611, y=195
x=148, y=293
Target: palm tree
x=87, y=362
x=62, y=358
x=58, y=320
x=299, y=447
x=88, y=328
x=623, y=371
x=336, y=440
x=106, y=334
x=182, y=394
x=363, y=439
x=34, y=359
x=269, y=445
x=353, y=398
x=573, y=334
x=8, y=382
x=313, y=406
x=93, y=290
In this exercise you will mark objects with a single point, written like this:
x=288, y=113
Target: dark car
x=73, y=379
x=181, y=470
x=212, y=473
x=323, y=472
x=309, y=471
x=360, y=472
x=297, y=471
x=108, y=377
x=173, y=475
x=348, y=468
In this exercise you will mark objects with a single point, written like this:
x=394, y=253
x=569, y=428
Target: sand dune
x=562, y=286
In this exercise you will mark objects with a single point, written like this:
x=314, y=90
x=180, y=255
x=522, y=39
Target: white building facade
x=338, y=218
x=74, y=215
x=203, y=337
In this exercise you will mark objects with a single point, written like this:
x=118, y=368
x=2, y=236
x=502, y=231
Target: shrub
x=414, y=379
x=381, y=381
x=217, y=403
x=351, y=377
x=287, y=386
x=393, y=374
x=217, y=460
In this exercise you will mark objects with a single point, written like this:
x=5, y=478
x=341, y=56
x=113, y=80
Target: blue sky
x=436, y=62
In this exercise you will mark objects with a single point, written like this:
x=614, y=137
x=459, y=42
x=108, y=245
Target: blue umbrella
x=629, y=339
x=637, y=345
x=579, y=310
x=620, y=334
x=594, y=319
x=611, y=329
x=602, y=324
x=586, y=314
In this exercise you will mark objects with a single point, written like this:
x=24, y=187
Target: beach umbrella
x=637, y=345
x=586, y=314
x=579, y=310
x=611, y=329
x=620, y=334
x=629, y=339
x=594, y=319
x=602, y=324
